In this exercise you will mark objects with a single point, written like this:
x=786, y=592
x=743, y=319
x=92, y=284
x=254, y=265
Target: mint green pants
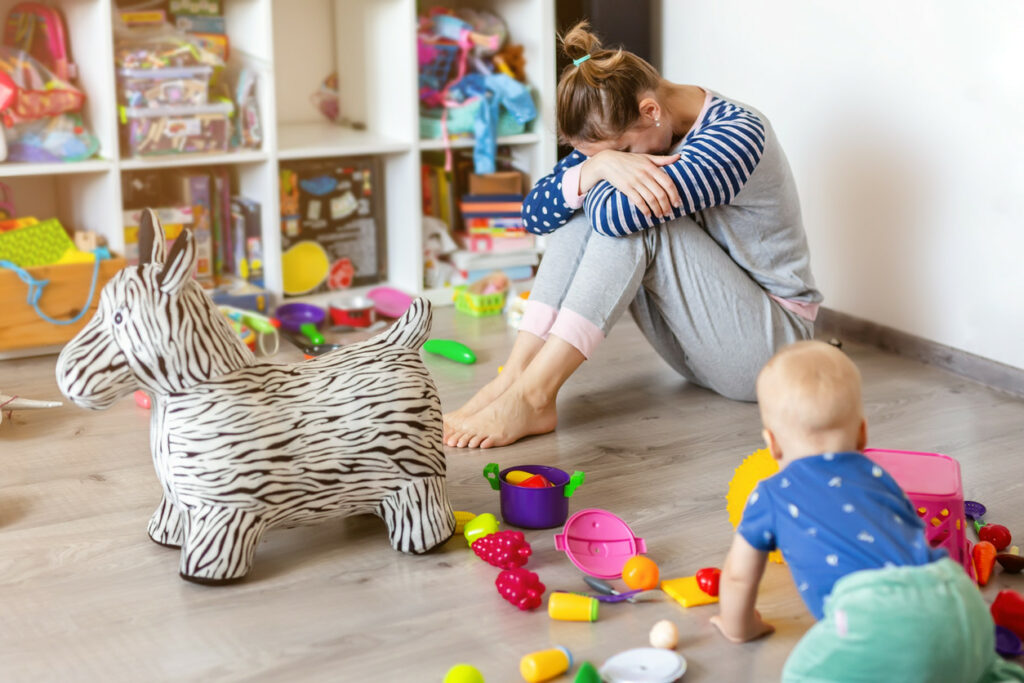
x=924, y=624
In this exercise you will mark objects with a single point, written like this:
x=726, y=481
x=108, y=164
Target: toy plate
x=598, y=543
x=644, y=665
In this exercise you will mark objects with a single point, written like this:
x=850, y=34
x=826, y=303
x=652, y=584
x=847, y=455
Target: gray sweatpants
x=699, y=310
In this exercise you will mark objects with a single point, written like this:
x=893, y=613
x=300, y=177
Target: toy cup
x=534, y=508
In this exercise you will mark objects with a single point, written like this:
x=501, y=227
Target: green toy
x=479, y=526
x=587, y=674
x=452, y=350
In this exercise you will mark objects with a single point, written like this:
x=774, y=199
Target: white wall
x=904, y=125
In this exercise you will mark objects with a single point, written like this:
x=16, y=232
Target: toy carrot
x=984, y=555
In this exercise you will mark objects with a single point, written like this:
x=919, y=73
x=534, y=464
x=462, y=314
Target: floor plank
x=86, y=595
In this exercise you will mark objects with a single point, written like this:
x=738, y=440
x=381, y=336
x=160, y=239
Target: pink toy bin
x=932, y=483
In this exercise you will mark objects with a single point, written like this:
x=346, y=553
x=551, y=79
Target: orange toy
x=640, y=573
x=984, y=554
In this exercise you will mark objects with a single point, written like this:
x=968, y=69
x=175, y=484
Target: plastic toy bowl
x=599, y=543
x=534, y=508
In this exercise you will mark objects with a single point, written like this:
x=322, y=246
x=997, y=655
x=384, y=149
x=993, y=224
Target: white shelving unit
x=294, y=44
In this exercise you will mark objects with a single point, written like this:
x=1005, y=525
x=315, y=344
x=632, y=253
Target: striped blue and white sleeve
x=544, y=208
x=715, y=163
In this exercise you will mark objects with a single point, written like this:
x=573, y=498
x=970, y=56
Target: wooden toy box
x=62, y=299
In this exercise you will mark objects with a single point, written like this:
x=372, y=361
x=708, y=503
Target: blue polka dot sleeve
x=544, y=209
x=758, y=524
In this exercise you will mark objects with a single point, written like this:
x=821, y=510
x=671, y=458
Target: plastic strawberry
x=505, y=549
x=521, y=587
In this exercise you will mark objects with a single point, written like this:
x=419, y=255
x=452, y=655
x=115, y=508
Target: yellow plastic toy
x=517, y=476
x=757, y=466
x=687, y=592
x=461, y=517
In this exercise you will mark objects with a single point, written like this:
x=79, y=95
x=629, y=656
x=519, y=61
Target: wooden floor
x=84, y=595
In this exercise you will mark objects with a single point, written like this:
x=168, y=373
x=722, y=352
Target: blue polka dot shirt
x=831, y=515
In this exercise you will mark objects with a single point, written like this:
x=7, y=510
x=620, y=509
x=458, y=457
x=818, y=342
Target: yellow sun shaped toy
x=755, y=467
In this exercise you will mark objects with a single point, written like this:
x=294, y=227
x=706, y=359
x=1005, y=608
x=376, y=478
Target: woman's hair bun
x=579, y=41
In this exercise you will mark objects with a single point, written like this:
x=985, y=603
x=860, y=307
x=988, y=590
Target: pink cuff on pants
x=537, y=319
x=578, y=331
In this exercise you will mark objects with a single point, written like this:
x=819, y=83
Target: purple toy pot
x=530, y=508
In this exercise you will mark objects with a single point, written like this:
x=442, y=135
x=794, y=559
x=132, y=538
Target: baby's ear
x=771, y=443
x=862, y=435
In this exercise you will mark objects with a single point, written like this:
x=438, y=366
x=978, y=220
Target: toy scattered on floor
x=353, y=311
x=599, y=543
x=534, y=508
x=687, y=592
x=461, y=517
x=572, y=607
x=240, y=446
x=9, y=404
x=974, y=510
x=1011, y=562
x=996, y=534
x=503, y=549
x=602, y=586
x=708, y=578
x=1008, y=611
x=452, y=350
x=390, y=302
x=478, y=527
x=647, y=664
x=305, y=319
x=142, y=400
x=932, y=483
x=984, y=554
x=665, y=635
x=755, y=467
x=463, y=673
x=521, y=587
x=1008, y=644
x=640, y=573
x=544, y=665
x=587, y=673
x=484, y=297
x=267, y=338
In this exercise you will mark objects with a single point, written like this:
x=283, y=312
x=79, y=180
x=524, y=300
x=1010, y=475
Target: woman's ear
x=650, y=111
x=773, y=445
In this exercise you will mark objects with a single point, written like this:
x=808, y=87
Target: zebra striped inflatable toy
x=241, y=446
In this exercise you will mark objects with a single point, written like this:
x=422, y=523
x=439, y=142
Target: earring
x=657, y=123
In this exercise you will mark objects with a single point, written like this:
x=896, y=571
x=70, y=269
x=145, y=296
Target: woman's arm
x=713, y=166
x=545, y=208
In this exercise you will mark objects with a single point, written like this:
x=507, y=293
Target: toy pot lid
x=598, y=543
x=390, y=302
x=644, y=665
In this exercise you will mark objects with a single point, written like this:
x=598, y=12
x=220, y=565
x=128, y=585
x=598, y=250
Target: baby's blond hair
x=809, y=391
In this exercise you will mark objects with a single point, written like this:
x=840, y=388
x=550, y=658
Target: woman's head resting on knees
x=610, y=99
x=809, y=394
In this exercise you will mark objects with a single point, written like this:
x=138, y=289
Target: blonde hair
x=597, y=99
x=810, y=388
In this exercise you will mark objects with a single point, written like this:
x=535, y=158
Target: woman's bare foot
x=511, y=416
x=490, y=391
x=524, y=349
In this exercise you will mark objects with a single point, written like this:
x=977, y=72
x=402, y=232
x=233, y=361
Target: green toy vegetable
x=452, y=350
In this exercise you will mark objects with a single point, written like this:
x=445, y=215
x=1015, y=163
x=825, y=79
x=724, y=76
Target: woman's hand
x=638, y=176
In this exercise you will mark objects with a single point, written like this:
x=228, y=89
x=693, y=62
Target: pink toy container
x=932, y=483
x=599, y=543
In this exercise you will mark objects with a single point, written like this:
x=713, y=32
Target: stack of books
x=494, y=237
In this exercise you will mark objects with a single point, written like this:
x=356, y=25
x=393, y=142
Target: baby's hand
x=753, y=628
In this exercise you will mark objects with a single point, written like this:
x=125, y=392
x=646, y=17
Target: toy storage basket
x=932, y=482
x=478, y=305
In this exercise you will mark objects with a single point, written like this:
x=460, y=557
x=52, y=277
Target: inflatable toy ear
x=151, y=239
x=180, y=264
